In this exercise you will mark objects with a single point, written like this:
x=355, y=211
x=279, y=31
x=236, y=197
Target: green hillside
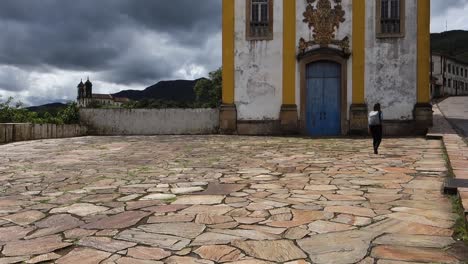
x=453, y=43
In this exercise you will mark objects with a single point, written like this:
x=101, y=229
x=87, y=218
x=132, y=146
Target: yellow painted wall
x=289, y=52
x=228, y=51
x=358, y=44
x=424, y=52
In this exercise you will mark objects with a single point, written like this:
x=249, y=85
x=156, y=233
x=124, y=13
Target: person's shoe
x=376, y=152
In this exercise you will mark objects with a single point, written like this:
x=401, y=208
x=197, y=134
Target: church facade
x=86, y=97
x=316, y=67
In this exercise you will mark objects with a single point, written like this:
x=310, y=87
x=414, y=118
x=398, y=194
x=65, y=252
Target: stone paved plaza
x=224, y=199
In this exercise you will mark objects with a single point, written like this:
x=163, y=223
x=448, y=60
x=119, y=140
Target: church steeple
x=81, y=89
x=89, y=88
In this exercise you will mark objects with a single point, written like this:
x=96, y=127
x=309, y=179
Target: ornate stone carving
x=322, y=20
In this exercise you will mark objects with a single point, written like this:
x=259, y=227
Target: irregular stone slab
x=34, y=246
x=148, y=253
x=129, y=197
x=414, y=241
x=302, y=217
x=247, y=234
x=12, y=260
x=296, y=233
x=152, y=239
x=323, y=227
x=158, y=196
x=126, y=260
x=352, y=220
x=321, y=187
x=44, y=258
x=25, y=218
x=211, y=238
x=134, y=205
x=209, y=219
x=248, y=220
x=105, y=244
x=213, y=210
x=80, y=209
x=187, y=260
x=257, y=171
x=171, y=219
x=264, y=229
x=334, y=197
x=219, y=253
x=165, y=208
x=13, y=233
x=119, y=221
x=353, y=210
x=422, y=220
x=55, y=224
x=340, y=248
x=78, y=233
x=278, y=251
x=427, y=213
x=413, y=254
x=222, y=189
x=200, y=199
x=185, y=190
x=84, y=256
x=185, y=230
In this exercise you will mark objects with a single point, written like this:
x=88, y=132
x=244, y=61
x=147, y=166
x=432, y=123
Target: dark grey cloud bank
x=46, y=46
x=123, y=41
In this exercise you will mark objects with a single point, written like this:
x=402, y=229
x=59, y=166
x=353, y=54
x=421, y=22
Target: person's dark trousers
x=376, y=132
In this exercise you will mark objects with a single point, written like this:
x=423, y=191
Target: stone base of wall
x=289, y=119
x=259, y=128
x=228, y=119
x=23, y=132
x=358, y=122
x=423, y=117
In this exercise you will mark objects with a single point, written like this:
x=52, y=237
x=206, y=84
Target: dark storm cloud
x=440, y=7
x=104, y=36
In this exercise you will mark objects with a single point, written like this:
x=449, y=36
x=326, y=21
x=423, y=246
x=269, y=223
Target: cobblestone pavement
x=222, y=199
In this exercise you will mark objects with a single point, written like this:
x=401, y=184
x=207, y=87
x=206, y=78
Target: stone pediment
x=324, y=20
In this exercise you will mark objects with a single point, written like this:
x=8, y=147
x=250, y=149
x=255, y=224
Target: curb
x=457, y=152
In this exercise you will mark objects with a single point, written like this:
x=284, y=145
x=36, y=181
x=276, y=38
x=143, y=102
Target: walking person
x=375, y=126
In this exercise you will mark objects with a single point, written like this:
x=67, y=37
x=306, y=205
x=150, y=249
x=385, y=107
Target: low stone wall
x=24, y=131
x=150, y=121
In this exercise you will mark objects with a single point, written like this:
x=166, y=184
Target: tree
x=208, y=91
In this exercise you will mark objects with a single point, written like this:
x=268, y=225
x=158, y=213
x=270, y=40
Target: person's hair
x=377, y=107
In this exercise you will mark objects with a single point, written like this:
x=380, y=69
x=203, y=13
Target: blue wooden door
x=323, y=102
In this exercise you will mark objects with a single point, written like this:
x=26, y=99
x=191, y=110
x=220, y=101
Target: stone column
x=358, y=119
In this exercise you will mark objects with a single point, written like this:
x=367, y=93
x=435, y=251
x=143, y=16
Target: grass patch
x=170, y=200
x=448, y=165
x=460, y=228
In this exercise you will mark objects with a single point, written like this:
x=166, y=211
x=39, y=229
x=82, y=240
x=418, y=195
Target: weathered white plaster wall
x=150, y=121
x=345, y=30
x=258, y=68
x=391, y=64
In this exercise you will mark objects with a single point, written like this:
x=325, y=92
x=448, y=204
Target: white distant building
x=86, y=97
x=449, y=76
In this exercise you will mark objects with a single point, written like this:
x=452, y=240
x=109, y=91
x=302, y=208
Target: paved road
x=456, y=110
x=224, y=199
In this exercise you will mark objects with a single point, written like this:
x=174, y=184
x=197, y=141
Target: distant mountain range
x=453, y=43
x=178, y=91
x=53, y=108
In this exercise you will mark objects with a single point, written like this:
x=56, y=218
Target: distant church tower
x=89, y=89
x=85, y=93
x=81, y=90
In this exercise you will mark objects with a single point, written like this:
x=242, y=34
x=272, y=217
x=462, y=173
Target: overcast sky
x=47, y=46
